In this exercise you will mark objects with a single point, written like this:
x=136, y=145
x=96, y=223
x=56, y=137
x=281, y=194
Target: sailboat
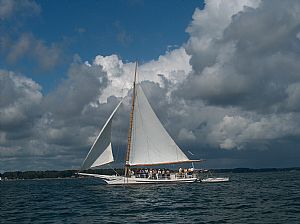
x=149, y=144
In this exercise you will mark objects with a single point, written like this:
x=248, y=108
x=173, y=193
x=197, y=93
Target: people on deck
x=161, y=173
x=146, y=173
x=150, y=174
x=168, y=174
x=185, y=173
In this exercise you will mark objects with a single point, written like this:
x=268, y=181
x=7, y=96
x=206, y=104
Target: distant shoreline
x=52, y=174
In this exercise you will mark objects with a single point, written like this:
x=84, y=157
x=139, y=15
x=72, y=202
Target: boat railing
x=159, y=176
x=185, y=175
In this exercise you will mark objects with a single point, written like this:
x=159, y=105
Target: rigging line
x=118, y=144
x=113, y=169
x=117, y=150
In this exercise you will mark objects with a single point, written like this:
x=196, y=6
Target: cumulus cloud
x=19, y=112
x=240, y=132
x=82, y=87
x=245, y=66
x=20, y=99
x=174, y=66
x=207, y=28
x=32, y=124
x=252, y=49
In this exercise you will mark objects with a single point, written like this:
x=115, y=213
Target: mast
x=130, y=125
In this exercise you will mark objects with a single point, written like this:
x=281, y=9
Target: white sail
x=101, y=151
x=150, y=142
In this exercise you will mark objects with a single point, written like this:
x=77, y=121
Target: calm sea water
x=248, y=198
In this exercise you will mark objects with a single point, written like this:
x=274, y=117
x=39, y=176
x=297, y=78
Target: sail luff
x=90, y=160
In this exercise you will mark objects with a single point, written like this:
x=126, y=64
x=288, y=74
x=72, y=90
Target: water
x=249, y=198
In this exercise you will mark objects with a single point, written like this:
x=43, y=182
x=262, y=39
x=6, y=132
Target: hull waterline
x=121, y=180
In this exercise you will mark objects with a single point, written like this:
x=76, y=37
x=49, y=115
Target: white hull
x=120, y=180
x=215, y=179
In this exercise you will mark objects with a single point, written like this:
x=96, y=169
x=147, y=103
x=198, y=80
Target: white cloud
x=236, y=61
x=236, y=132
x=174, y=66
x=20, y=97
x=215, y=18
x=207, y=28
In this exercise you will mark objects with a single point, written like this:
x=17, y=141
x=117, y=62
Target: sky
x=222, y=76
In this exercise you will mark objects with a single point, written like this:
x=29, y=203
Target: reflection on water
x=248, y=198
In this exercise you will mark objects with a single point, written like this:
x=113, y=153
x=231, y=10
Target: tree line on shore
x=52, y=174
x=73, y=173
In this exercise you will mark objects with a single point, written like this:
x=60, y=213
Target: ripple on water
x=248, y=198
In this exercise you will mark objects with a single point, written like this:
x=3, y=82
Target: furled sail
x=150, y=142
x=101, y=151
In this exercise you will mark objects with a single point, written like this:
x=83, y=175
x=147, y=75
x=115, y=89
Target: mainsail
x=150, y=142
x=101, y=151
